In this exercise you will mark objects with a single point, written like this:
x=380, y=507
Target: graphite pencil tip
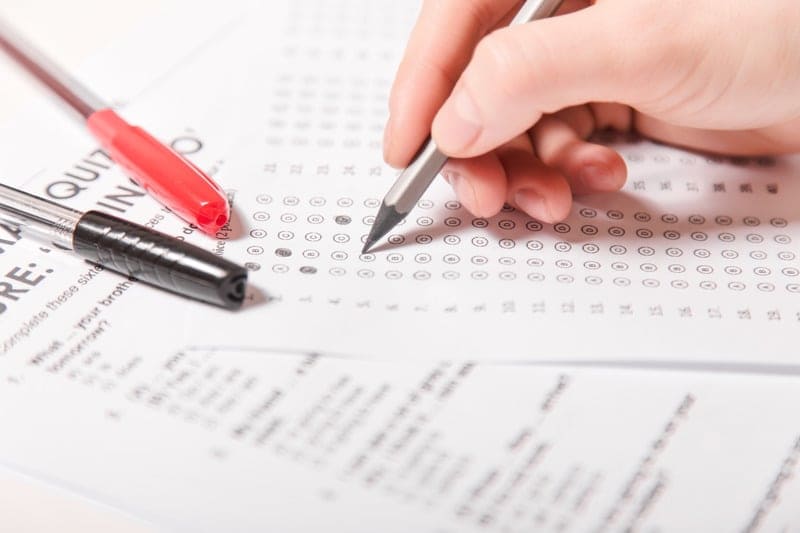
x=367, y=246
x=386, y=219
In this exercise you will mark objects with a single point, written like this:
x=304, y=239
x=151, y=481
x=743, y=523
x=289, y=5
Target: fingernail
x=448, y=176
x=458, y=123
x=599, y=177
x=464, y=191
x=387, y=136
x=534, y=204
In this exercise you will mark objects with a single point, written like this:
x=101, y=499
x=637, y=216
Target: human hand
x=721, y=77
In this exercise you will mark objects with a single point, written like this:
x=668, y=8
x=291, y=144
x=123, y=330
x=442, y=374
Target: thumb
x=519, y=73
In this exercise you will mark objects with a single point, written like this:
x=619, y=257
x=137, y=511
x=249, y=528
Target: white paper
x=223, y=439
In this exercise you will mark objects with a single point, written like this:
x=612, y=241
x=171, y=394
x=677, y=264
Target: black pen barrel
x=159, y=260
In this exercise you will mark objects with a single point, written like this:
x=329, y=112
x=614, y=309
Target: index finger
x=439, y=49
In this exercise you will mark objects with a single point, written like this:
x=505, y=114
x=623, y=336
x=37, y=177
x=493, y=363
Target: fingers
x=540, y=191
x=440, y=47
x=512, y=174
x=588, y=167
x=520, y=73
x=539, y=172
x=479, y=183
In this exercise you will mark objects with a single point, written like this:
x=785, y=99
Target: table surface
x=68, y=32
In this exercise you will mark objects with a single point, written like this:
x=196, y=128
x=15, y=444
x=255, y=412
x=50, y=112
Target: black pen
x=127, y=248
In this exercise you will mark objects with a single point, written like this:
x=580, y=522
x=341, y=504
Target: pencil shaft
x=416, y=178
x=534, y=10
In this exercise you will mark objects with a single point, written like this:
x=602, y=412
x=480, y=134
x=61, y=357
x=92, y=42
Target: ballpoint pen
x=127, y=248
x=167, y=176
x=417, y=177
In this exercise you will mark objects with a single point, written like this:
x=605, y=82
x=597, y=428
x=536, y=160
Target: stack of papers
x=633, y=368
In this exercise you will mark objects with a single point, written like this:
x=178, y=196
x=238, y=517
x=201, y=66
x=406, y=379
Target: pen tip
x=367, y=246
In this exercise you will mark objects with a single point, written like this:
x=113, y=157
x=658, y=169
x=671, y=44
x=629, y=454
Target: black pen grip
x=159, y=260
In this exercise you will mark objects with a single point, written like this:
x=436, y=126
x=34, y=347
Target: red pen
x=166, y=175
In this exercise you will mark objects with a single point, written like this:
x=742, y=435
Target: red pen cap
x=166, y=175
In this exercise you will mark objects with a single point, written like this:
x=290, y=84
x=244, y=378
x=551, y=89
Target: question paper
x=239, y=439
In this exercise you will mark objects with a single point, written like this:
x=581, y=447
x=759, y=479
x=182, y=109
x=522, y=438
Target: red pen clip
x=166, y=175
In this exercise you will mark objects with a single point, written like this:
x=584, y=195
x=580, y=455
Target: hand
x=714, y=76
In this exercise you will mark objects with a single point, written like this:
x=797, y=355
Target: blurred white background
x=68, y=31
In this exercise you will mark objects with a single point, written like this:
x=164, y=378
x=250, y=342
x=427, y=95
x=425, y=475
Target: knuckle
x=480, y=12
x=659, y=32
x=505, y=63
x=665, y=53
x=442, y=73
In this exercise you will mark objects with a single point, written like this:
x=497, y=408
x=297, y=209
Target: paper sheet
x=696, y=260
x=224, y=439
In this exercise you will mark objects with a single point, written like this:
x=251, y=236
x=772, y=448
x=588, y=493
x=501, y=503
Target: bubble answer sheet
x=695, y=261
x=469, y=375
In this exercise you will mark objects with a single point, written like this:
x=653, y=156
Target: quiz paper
x=695, y=261
x=230, y=438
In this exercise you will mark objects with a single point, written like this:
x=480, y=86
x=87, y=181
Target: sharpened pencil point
x=386, y=219
x=367, y=246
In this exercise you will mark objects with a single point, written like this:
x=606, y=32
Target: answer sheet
x=284, y=103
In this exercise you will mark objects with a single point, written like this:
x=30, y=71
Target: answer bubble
x=534, y=225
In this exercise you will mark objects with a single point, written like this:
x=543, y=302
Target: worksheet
x=227, y=438
x=283, y=103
